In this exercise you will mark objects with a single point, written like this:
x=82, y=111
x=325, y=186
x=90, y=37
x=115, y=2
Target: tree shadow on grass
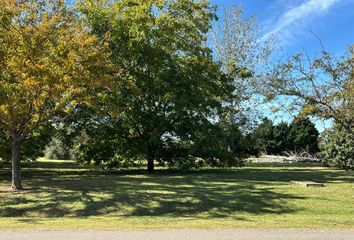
x=198, y=194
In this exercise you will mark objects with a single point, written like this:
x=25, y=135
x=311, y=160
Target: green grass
x=61, y=195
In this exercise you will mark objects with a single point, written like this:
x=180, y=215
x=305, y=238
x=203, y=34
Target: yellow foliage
x=48, y=60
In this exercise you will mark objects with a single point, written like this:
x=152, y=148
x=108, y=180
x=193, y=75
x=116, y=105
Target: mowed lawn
x=61, y=195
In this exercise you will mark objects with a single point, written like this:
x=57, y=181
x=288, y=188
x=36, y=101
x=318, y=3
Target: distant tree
x=264, y=136
x=323, y=87
x=235, y=40
x=46, y=59
x=300, y=135
x=174, y=86
x=281, y=138
x=57, y=149
x=303, y=136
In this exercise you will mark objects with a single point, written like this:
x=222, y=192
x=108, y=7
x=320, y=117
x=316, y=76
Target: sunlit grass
x=62, y=195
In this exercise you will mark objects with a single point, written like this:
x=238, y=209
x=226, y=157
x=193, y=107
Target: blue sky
x=293, y=21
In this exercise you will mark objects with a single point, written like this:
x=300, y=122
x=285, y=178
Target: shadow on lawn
x=200, y=194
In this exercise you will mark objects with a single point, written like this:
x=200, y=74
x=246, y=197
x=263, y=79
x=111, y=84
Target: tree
x=281, y=138
x=173, y=84
x=303, y=136
x=57, y=149
x=47, y=57
x=238, y=45
x=322, y=86
x=244, y=55
x=264, y=136
x=300, y=135
x=337, y=148
x=32, y=145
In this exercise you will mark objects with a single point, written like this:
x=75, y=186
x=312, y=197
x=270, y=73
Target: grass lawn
x=61, y=195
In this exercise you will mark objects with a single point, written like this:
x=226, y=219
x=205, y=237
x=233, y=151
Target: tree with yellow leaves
x=48, y=59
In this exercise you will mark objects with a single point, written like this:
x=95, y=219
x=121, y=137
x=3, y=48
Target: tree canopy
x=299, y=136
x=174, y=85
x=46, y=59
x=321, y=86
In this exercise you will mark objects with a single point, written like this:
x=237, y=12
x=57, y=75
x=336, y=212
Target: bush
x=337, y=148
x=56, y=149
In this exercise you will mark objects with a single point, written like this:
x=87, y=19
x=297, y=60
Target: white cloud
x=298, y=15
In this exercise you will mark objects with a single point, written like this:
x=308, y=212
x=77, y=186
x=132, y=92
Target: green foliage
x=56, y=149
x=206, y=146
x=95, y=138
x=85, y=136
x=172, y=85
x=264, y=136
x=95, y=148
x=32, y=146
x=281, y=138
x=91, y=138
x=337, y=148
x=301, y=135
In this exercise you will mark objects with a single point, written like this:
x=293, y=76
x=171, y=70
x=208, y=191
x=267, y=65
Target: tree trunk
x=16, y=165
x=150, y=159
x=150, y=166
x=150, y=155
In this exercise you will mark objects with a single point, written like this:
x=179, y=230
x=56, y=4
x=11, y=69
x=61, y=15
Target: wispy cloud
x=298, y=15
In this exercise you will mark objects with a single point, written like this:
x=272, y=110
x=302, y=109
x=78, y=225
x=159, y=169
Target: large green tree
x=173, y=86
x=47, y=57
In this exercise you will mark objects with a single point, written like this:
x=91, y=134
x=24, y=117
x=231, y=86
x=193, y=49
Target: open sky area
x=294, y=21
x=298, y=25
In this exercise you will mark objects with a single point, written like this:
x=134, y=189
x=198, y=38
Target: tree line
x=131, y=81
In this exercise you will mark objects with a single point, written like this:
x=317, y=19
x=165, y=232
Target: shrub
x=337, y=148
x=57, y=149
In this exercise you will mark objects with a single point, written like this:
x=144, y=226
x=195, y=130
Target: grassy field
x=61, y=195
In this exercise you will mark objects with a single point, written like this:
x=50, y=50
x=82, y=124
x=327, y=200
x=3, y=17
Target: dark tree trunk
x=150, y=166
x=16, y=165
x=150, y=159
